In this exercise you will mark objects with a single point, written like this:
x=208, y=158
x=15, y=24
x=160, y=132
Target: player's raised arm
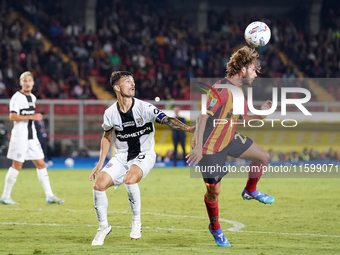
x=156, y=115
x=267, y=105
x=176, y=124
x=104, y=149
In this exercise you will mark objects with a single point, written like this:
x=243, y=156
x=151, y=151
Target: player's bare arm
x=104, y=149
x=267, y=105
x=196, y=154
x=13, y=116
x=176, y=124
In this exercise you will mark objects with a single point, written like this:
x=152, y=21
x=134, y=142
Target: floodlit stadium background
x=72, y=48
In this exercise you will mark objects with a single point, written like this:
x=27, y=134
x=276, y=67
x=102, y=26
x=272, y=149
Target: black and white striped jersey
x=23, y=105
x=134, y=130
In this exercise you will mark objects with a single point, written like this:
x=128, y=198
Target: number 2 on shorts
x=243, y=139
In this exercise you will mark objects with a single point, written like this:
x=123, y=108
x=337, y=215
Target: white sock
x=100, y=204
x=45, y=181
x=134, y=199
x=10, y=179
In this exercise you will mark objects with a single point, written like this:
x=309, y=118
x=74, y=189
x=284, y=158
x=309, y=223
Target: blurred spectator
x=3, y=138
x=42, y=133
x=305, y=155
x=331, y=154
x=2, y=90
x=313, y=155
x=294, y=156
x=178, y=137
x=274, y=157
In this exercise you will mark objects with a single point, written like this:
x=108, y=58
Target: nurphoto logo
x=238, y=104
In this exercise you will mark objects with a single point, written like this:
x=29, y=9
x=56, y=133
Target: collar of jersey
x=128, y=111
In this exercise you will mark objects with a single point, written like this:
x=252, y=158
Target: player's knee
x=266, y=157
x=130, y=180
x=41, y=166
x=263, y=158
x=99, y=187
x=213, y=192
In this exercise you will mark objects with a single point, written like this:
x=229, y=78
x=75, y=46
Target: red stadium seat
x=4, y=109
x=44, y=108
x=94, y=72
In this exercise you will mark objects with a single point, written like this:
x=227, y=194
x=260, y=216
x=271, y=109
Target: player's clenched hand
x=95, y=171
x=37, y=116
x=192, y=129
x=194, y=156
x=267, y=105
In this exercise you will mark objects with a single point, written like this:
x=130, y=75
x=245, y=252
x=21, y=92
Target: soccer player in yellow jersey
x=215, y=142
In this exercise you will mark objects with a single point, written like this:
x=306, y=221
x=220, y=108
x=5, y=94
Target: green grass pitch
x=305, y=218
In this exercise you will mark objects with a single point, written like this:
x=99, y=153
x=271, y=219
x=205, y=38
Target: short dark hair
x=115, y=76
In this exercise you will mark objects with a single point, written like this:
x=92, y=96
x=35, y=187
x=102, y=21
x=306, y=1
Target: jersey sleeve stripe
x=210, y=113
x=108, y=130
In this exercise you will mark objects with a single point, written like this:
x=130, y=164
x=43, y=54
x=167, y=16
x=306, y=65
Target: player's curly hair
x=115, y=76
x=242, y=58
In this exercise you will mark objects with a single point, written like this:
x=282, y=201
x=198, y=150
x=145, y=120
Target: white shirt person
x=128, y=124
x=24, y=144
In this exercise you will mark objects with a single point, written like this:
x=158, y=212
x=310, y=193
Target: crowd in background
x=305, y=155
x=161, y=49
x=23, y=49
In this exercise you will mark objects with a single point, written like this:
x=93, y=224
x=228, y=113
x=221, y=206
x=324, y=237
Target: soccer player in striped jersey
x=128, y=123
x=215, y=142
x=24, y=144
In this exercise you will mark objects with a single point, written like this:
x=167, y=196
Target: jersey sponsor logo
x=141, y=156
x=27, y=112
x=139, y=122
x=128, y=124
x=138, y=132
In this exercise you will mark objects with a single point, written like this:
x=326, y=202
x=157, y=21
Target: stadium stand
x=163, y=51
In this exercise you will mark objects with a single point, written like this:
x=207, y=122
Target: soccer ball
x=69, y=162
x=257, y=34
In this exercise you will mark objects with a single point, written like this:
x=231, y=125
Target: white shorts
x=117, y=170
x=20, y=150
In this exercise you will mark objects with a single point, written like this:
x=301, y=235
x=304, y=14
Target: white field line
x=237, y=226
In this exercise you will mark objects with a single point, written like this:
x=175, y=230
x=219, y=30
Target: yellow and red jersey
x=217, y=138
